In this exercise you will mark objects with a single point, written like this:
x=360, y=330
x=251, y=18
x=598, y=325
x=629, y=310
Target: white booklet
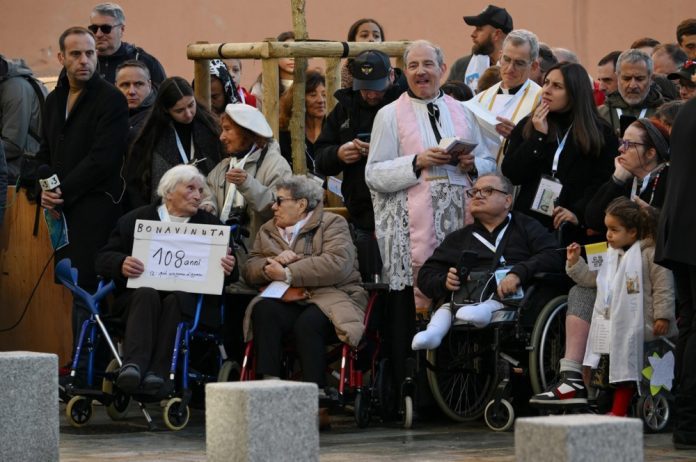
x=455, y=146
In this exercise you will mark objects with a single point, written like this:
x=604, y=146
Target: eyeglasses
x=483, y=193
x=626, y=144
x=518, y=63
x=280, y=200
x=105, y=28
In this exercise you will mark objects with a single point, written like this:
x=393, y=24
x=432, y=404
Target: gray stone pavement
x=104, y=440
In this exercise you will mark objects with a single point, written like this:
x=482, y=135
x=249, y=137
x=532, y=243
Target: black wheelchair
x=493, y=370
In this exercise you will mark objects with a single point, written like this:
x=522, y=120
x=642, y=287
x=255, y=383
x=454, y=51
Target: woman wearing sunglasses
x=303, y=247
x=177, y=131
x=561, y=153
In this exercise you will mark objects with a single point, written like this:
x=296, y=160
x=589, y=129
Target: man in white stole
x=515, y=96
x=418, y=199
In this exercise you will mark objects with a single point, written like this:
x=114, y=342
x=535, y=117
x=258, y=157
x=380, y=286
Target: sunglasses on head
x=105, y=28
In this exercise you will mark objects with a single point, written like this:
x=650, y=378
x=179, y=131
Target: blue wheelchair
x=81, y=391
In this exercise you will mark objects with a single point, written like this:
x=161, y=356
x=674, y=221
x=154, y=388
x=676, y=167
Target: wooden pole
x=333, y=81
x=201, y=76
x=270, y=107
x=297, y=122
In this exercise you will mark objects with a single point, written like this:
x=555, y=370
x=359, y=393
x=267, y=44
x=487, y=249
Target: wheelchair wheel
x=78, y=411
x=229, y=372
x=408, y=412
x=117, y=409
x=499, y=416
x=462, y=377
x=547, y=344
x=654, y=412
x=175, y=415
x=361, y=409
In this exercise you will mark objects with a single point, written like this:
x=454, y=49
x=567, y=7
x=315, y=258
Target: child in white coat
x=635, y=296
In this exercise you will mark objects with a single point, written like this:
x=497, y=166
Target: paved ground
x=104, y=440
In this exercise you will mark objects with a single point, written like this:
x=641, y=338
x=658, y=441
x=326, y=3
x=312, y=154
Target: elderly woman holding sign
x=311, y=252
x=152, y=315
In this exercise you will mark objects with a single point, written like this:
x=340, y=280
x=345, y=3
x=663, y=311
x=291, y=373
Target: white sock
x=478, y=314
x=438, y=327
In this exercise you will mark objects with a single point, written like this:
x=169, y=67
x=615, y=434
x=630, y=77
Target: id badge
x=601, y=335
x=547, y=193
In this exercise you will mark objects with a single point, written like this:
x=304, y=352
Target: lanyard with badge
x=643, y=111
x=494, y=247
x=549, y=189
x=180, y=147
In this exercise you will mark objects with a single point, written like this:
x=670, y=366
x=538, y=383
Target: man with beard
x=638, y=97
x=84, y=129
x=490, y=29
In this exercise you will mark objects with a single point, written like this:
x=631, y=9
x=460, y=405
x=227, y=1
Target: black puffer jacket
x=350, y=117
x=527, y=247
x=127, y=51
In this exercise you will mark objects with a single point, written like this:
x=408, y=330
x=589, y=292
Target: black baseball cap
x=685, y=72
x=370, y=71
x=492, y=16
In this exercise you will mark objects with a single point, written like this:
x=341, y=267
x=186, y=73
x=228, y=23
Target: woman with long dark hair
x=561, y=153
x=177, y=131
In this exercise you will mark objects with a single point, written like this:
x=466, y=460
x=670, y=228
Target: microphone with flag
x=57, y=227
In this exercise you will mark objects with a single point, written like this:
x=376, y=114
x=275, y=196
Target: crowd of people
x=546, y=146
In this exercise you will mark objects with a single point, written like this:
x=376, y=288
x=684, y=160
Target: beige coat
x=658, y=286
x=329, y=272
x=258, y=189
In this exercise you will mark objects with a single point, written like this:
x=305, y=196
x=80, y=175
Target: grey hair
x=634, y=56
x=504, y=181
x=179, y=174
x=110, y=9
x=303, y=187
x=564, y=55
x=439, y=55
x=519, y=37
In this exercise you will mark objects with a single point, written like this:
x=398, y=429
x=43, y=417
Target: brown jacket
x=329, y=271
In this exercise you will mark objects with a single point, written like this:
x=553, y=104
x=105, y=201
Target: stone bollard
x=576, y=438
x=261, y=420
x=28, y=406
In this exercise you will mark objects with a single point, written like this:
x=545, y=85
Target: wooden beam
x=298, y=49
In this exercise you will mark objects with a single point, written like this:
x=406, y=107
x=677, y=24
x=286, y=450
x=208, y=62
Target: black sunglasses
x=105, y=28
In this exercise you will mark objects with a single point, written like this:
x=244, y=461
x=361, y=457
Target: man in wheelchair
x=503, y=246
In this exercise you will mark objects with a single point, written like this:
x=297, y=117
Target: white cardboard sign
x=180, y=256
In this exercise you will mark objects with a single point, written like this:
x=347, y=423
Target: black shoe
x=128, y=379
x=568, y=391
x=682, y=443
x=152, y=382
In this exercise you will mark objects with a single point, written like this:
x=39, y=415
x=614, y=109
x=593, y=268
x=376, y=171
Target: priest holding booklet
x=417, y=197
